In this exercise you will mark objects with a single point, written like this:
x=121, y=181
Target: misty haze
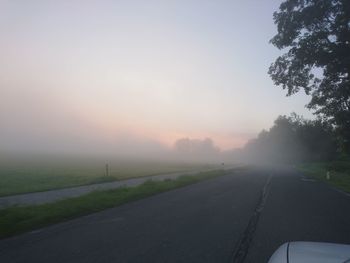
x=175, y=131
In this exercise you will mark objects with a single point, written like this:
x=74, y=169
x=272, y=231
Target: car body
x=311, y=252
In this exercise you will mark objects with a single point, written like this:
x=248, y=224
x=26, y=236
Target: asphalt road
x=241, y=217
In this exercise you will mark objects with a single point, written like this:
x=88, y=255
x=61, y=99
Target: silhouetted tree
x=316, y=37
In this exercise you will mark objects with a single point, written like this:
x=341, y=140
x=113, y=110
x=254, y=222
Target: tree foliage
x=293, y=139
x=315, y=35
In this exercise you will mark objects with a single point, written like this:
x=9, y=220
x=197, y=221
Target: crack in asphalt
x=239, y=254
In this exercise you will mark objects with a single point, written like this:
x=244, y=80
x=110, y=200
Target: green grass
x=18, y=177
x=339, y=173
x=19, y=219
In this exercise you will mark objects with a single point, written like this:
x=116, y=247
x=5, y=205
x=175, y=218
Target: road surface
x=242, y=217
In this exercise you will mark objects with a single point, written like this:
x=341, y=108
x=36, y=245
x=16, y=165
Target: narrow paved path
x=240, y=217
x=57, y=194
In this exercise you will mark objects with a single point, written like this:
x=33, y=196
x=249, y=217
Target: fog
x=178, y=80
x=292, y=140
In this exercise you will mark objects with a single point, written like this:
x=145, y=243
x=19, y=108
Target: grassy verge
x=20, y=219
x=25, y=177
x=339, y=173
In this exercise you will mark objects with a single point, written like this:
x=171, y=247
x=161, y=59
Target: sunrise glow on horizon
x=142, y=71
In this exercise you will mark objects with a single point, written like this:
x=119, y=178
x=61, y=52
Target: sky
x=114, y=74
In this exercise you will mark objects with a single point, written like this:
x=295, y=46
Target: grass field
x=33, y=176
x=16, y=220
x=339, y=173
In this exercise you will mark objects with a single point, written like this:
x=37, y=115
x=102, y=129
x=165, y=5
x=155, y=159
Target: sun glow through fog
x=152, y=71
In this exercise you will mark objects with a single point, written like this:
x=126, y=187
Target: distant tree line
x=197, y=147
x=294, y=139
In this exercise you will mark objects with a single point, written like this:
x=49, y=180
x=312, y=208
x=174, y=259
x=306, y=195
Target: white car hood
x=311, y=252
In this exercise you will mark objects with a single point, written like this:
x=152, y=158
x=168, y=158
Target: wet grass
x=339, y=173
x=26, y=177
x=19, y=219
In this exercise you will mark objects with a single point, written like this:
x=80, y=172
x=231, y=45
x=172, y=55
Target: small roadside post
x=328, y=175
x=107, y=169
